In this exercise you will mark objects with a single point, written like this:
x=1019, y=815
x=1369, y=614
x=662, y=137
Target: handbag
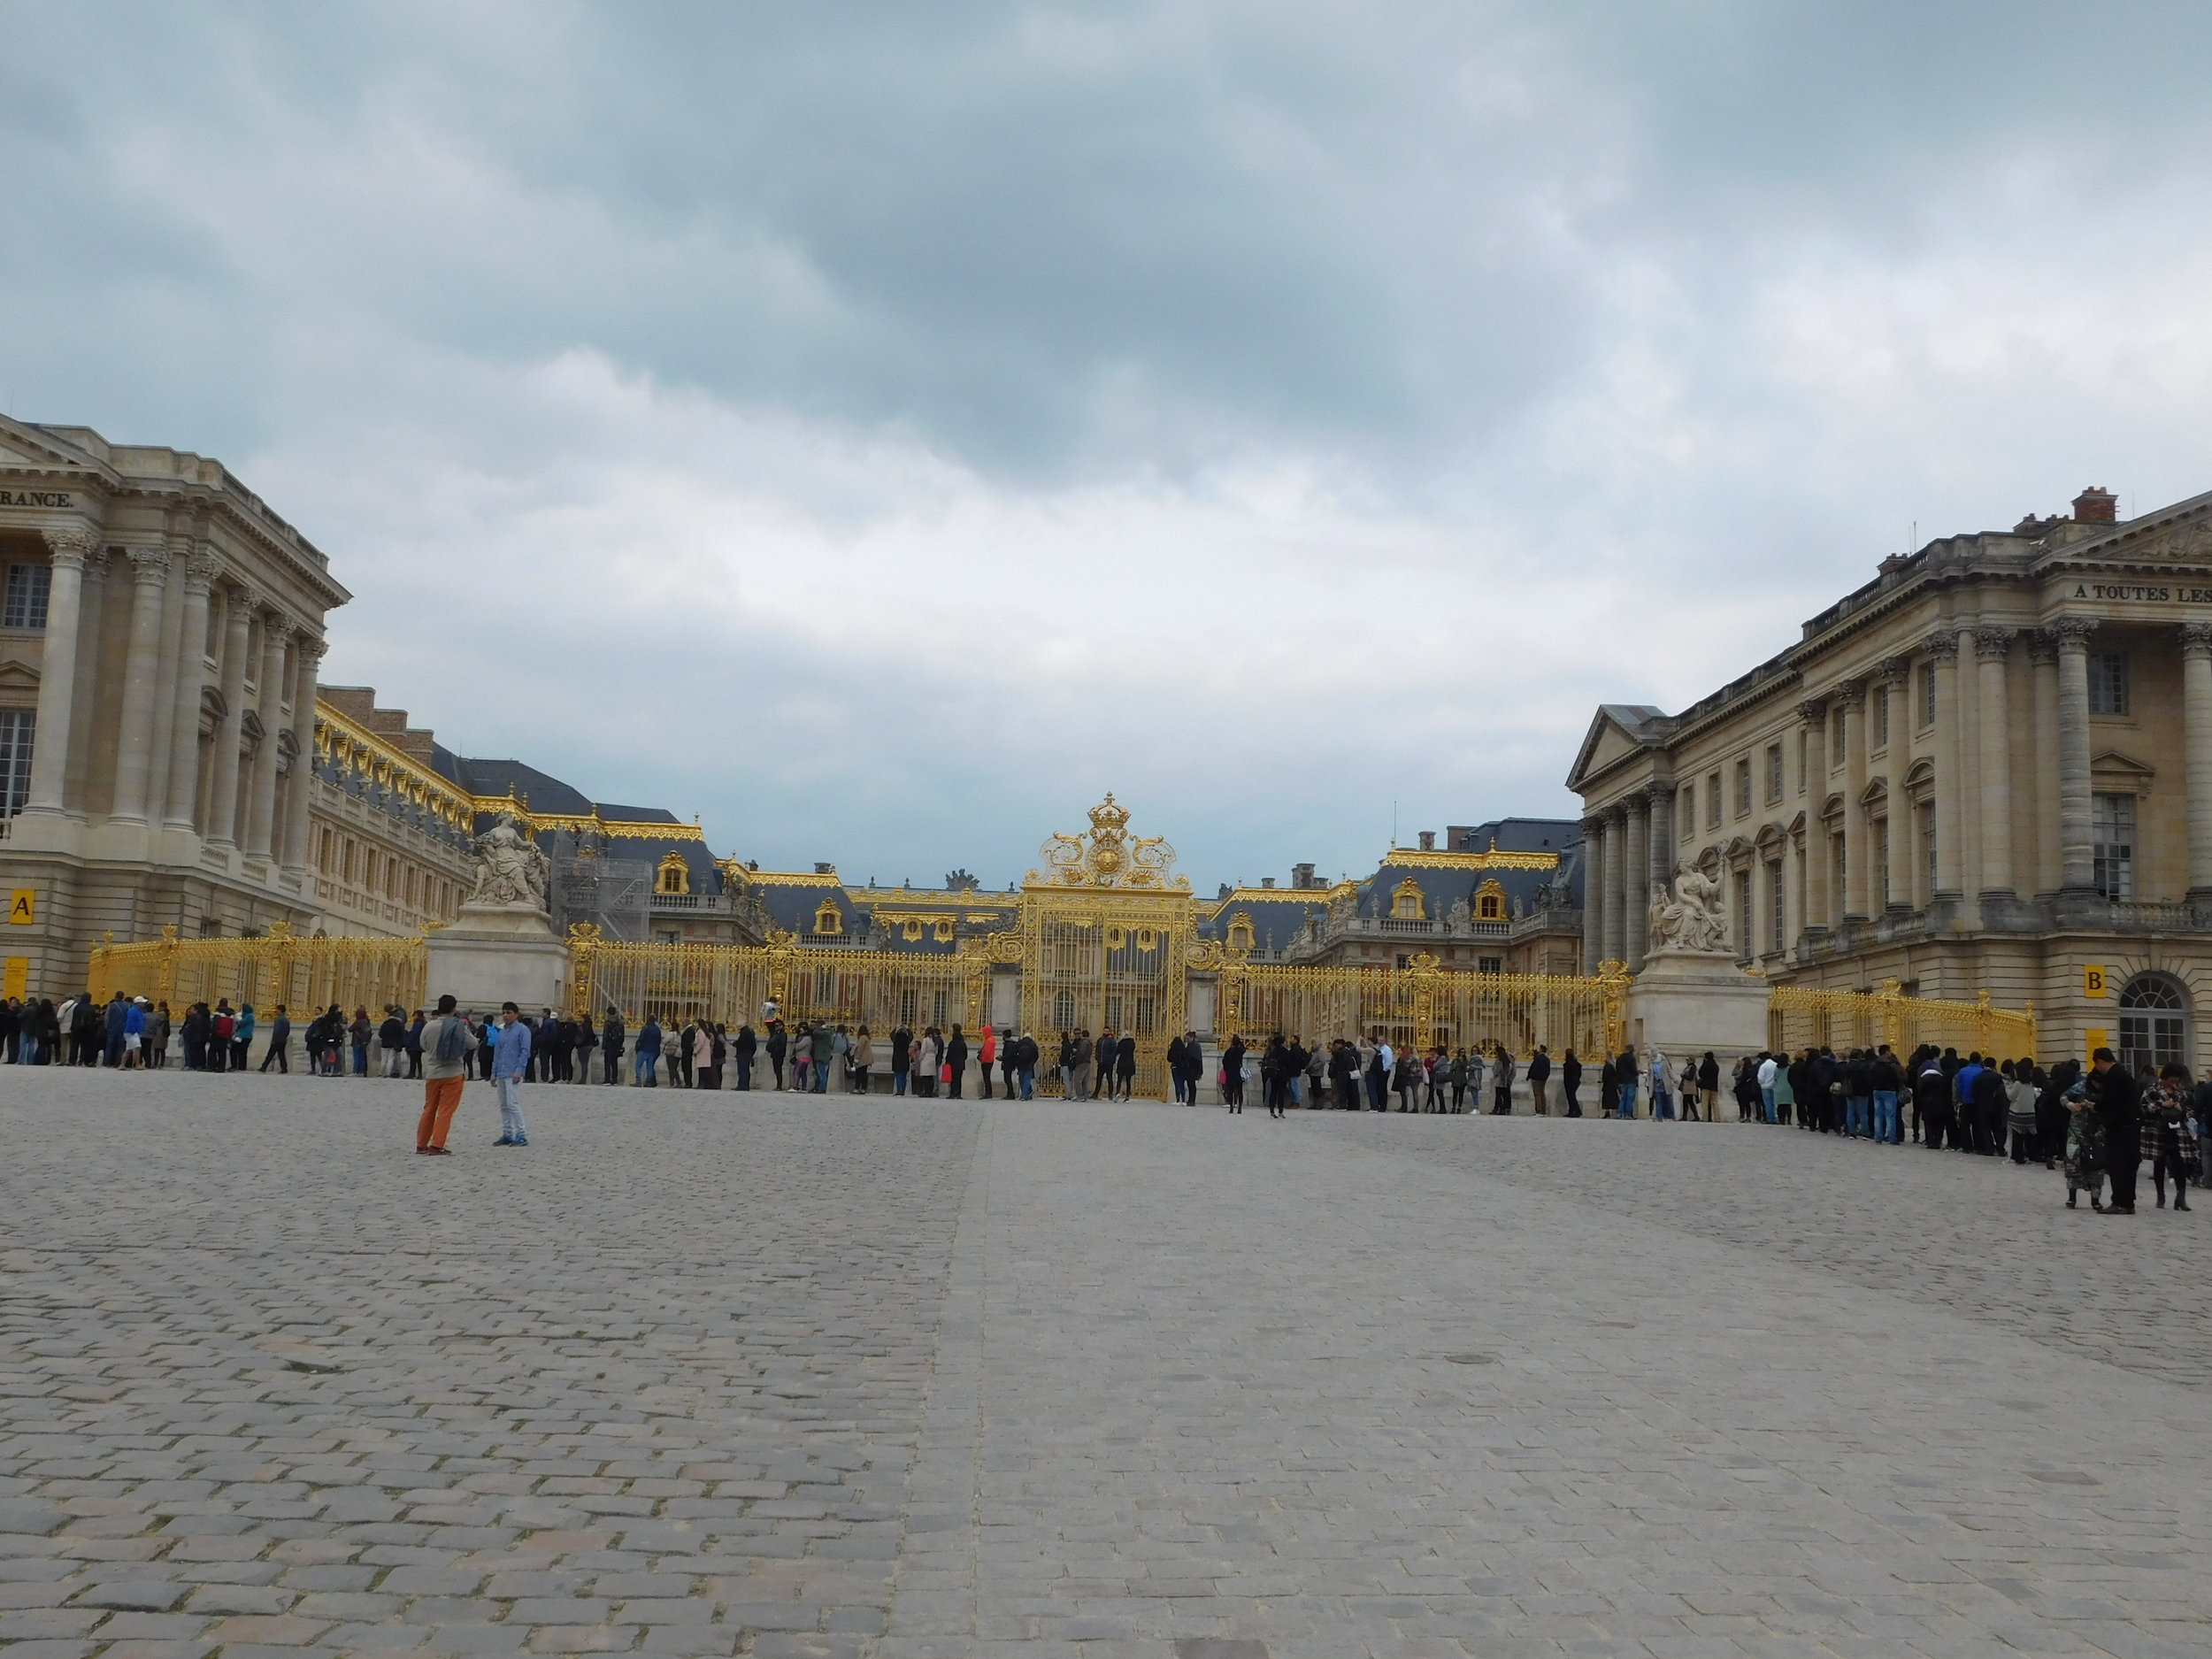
x=944, y=1073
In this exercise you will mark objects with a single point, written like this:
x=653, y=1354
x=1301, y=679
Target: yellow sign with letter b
x=2093, y=981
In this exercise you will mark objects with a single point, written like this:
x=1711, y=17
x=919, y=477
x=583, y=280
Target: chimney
x=1267, y=882
x=1302, y=877
x=1428, y=840
x=2096, y=505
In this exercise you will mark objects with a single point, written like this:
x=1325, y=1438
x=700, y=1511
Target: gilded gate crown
x=1107, y=857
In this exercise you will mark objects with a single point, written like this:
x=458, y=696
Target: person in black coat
x=1570, y=1082
x=610, y=1036
x=2120, y=1106
x=957, y=1057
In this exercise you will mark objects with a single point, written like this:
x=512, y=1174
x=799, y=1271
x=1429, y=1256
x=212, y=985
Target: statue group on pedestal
x=510, y=871
x=1691, y=916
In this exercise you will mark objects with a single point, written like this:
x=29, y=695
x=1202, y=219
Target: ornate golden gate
x=1104, y=934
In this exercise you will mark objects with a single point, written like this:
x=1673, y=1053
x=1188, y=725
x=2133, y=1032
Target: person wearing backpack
x=447, y=1043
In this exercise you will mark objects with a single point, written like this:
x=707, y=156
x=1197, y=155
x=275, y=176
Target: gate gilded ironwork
x=1105, y=930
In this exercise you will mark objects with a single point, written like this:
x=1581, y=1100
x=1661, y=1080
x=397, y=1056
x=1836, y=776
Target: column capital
x=1813, y=712
x=1659, y=792
x=149, y=564
x=247, y=597
x=1594, y=826
x=1993, y=645
x=2196, y=639
x=2042, y=648
x=1634, y=804
x=70, y=544
x=1616, y=814
x=1896, y=670
x=276, y=627
x=1942, y=644
x=1850, y=694
x=2072, y=632
x=200, y=571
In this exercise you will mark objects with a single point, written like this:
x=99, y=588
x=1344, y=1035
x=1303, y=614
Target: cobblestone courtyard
x=772, y=1375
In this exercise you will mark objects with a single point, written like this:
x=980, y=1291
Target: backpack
x=452, y=1044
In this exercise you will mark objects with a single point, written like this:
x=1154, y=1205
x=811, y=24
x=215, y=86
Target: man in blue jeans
x=1624, y=1077
x=510, y=1063
x=1026, y=1064
x=1888, y=1078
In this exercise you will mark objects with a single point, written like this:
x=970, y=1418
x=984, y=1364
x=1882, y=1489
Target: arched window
x=2153, y=1022
x=1408, y=903
x=829, y=918
x=673, y=876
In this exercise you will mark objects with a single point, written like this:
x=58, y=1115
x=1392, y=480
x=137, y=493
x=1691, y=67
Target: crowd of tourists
x=1368, y=1074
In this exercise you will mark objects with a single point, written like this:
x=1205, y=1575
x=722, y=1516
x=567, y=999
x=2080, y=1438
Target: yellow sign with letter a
x=23, y=906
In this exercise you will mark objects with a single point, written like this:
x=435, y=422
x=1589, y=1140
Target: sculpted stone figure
x=1690, y=918
x=509, y=869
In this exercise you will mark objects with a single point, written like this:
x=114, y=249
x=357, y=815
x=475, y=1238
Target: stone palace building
x=1989, y=769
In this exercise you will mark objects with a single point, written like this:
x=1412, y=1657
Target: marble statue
x=1691, y=918
x=510, y=871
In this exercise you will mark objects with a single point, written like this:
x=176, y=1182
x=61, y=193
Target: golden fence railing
x=1424, y=1006
x=277, y=968
x=729, y=984
x=1800, y=1017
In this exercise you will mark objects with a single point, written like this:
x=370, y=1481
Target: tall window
x=1712, y=800
x=1926, y=815
x=1839, y=875
x=1743, y=910
x=1743, y=788
x=1804, y=739
x=1689, y=811
x=2108, y=683
x=1775, y=919
x=2112, y=828
x=18, y=727
x=1927, y=695
x=1774, y=773
x=1881, y=717
x=2153, y=1023
x=27, y=587
x=1881, y=857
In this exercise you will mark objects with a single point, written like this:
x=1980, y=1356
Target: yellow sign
x=15, y=978
x=2095, y=1038
x=23, y=906
x=2092, y=982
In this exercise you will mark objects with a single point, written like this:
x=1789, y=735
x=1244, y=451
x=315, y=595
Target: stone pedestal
x=1685, y=1001
x=498, y=953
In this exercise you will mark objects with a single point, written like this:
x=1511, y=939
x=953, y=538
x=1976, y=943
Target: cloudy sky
x=880, y=429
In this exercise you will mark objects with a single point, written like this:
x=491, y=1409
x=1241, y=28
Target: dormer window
x=1490, y=902
x=1240, y=931
x=1408, y=903
x=829, y=918
x=673, y=876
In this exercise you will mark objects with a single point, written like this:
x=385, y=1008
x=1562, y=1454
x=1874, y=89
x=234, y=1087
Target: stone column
x=1812, y=714
x=2043, y=656
x=1617, y=884
x=200, y=571
x=2077, y=853
x=222, y=827
x=1592, y=893
x=1850, y=701
x=1636, y=890
x=1897, y=677
x=302, y=796
x=70, y=547
x=261, y=787
x=142, y=672
x=166, y=682
x=1992, y=646
x=1949, y=796
x=1660, y=866
x=84, y=703
x=2196, y=715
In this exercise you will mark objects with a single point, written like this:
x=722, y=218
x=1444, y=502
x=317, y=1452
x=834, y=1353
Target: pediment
x=2111, y=773
x=1610, y=739
x=22, y=444
x=2180, y=533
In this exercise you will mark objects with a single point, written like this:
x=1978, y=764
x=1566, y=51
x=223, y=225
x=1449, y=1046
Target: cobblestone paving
x=652, y=1384
x=781, y=1376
